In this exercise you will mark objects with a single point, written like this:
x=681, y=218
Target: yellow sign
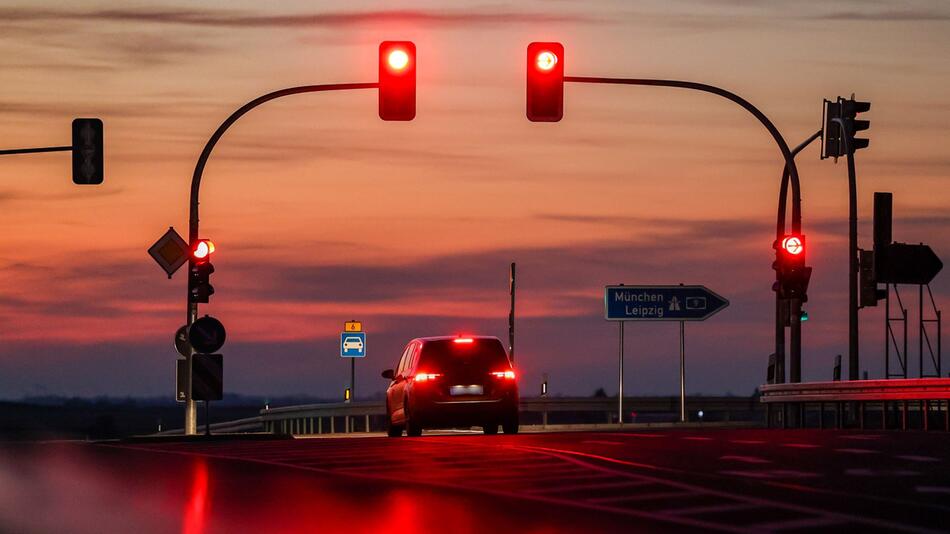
x=353, y=326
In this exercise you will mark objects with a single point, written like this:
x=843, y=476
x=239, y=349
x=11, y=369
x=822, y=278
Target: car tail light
x=424, y=377
x=465, y=340
x=507, y=375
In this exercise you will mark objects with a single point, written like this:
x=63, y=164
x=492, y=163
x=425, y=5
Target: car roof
x=446, y=338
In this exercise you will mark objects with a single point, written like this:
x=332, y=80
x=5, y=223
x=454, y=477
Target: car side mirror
x=388, y=373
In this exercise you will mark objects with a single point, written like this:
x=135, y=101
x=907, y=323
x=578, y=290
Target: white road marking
x=932, y=489
x=865, y=472
x=745, y=459
x=915, y=458
x=772, y=473
x=857, y=451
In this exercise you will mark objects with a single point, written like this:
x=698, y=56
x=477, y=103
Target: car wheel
x=394, y=431
x=413, y=429
x=510, y=427
x=491, y=429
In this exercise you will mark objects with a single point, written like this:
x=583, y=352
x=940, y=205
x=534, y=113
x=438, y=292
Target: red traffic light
x=397, y=80
x=545, y=87
x=203, y=250
x=793, y=244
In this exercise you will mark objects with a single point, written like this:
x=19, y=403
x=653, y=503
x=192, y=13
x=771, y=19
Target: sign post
x=660, y=303
x=352, y=346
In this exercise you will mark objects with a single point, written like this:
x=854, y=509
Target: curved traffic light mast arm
x=779, y=140
x=209, y=146
x=783, y=189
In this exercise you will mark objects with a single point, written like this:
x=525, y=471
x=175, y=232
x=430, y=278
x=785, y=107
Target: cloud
x=332, y=19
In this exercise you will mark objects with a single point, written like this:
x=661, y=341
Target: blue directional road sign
x=661, y=303
x=352, y=344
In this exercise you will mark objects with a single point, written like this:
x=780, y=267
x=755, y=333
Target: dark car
x=451, y=382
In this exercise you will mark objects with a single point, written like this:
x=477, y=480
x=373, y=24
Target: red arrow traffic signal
x=545, y=89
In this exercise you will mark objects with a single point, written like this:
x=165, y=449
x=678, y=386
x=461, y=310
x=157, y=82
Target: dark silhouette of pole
x=511, y=313
x=790, y=169
x=192, y=315
x=783, y=307
x=12, y=151
x=853, y=358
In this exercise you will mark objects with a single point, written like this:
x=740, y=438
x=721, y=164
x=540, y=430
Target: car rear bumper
x=463, y=412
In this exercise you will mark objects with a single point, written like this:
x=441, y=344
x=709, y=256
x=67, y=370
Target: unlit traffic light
x=397, y=81
x=545, y=85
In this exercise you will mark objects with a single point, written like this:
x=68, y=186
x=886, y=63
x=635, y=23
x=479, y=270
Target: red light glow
x=203, y=249
x=463, y=340
x=398, y=59
x=793, y=245
x=425, y=377
x=546, y=60
x=507, y=375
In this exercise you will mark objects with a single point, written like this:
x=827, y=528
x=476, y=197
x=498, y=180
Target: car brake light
x=422, y=377
x=463, y=340
x=507, y=375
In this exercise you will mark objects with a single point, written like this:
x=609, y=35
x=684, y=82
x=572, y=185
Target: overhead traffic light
x=87, y=151
x=397, y=80
x=791, y=274
x=199, y=271
x=545, y=88
x=846, y=110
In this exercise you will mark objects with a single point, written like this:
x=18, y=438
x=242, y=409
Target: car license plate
x=466, y=390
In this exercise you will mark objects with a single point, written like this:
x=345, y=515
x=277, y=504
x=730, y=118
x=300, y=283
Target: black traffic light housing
x=199, y=272
x=869, y=293
x=836, y=143
x=397, y=80
x=791, y=274
x=87, y=152
x=545, y=85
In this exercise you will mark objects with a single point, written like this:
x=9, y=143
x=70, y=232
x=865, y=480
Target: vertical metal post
x=853, y=360
x=925, y=414
x=353, y=379
x=920, y=331
x=682, y=372
x=781, y=310
x=795, y=342
x=207, y=418
x=620, y=392
x=887, y=330
x=906, y=356
x=511, y=313
x=191, y=407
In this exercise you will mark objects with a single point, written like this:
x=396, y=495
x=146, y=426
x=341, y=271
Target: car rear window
x=447, y=356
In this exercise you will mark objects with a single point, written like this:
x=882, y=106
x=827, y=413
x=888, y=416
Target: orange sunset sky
x=322, y=213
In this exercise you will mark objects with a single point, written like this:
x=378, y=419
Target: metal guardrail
x=920, y=398
x=370, y=415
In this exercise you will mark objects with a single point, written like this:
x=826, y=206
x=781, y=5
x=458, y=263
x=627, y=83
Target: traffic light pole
x=853, y=345
x=9, y=152
x=776, y=135
x=792, y=308
x=192, y=316
x=790, y=172
x=511, y=314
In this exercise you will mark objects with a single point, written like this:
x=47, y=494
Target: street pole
x=785, y=308
x=853, y=360
x=787, y=155
x=192, y=315
x=511, y=314
x=353, y=378
x=620, y=394
x=682, y=371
